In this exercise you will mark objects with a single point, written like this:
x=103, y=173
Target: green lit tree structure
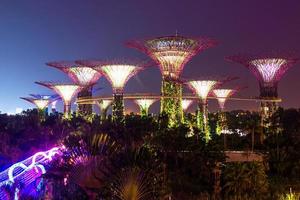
x=171, y=53
x=104, y=105
x=144, y=105
x=81, y=75
x=66, y=91
x=202, y=88
x=117, y=72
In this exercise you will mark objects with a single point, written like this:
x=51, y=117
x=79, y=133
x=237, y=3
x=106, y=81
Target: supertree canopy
x=117, y=72
x=202, y=88
x=222, y=95
x=171, y=53
x=65, y=91
x=186, y=103
x=268, y=69
x=144, y=105
x=41, y=104
x=104, y=105
x=81, y=75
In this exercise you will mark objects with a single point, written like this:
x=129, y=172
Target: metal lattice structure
x=171, y=53
x=81, y=75
x=268, y=69
x=144, y=105
x=117, y=72
x=222, y=95
x=65, y=91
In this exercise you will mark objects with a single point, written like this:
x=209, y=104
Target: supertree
x=202, y=88
x=117, y=72
x=222, y=96
x=171, y=53
x=268, y=69
x=104, y=105
x=66, y=91
x=41, y=102
x=186, y=103
x=81, y=75
x=144, y=104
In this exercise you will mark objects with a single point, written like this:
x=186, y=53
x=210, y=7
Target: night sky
x=33, y=32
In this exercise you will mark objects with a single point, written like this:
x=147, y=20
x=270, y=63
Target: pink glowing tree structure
x=202, y=88
x=171, y=53
x=81, y=75
x=268, y=69
x=117, y=73
x=65, y=91
x=144, y=104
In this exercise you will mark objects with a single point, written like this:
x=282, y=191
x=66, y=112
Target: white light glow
x=84, y=75
x=53, y=104
x=222, y=95
x=186, y=103
x=144, y=104
x=203, y=87
x=41, y=103
x=118, y=75
x=104, y=104
x=268, y=68
x=67, y=92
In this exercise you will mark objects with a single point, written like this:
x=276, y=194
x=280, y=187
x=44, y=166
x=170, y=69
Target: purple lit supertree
x=171, y=53
x=117, y=72
x=66, y=91
x=268, y=69
x=81, y=75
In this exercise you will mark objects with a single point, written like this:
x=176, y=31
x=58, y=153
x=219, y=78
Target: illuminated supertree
x=65, y=91
x=268, y=69
x=171, y=53
x=104, y=105
x=202, y=88
x=117, y=72
x=144, y=105
x=81, y=75
x=223, y=95
x=186, y=103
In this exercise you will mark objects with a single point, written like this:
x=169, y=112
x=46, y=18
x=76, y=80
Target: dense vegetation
x=143, y=158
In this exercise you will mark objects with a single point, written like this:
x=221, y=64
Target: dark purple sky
x=34, y=32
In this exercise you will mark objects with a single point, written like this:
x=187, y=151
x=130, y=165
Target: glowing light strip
x=36, y=162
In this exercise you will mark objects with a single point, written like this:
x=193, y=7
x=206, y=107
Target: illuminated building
x=65, y=91
x=81, y=75
x=268, y=69
x=171, y=53
x=144, y=105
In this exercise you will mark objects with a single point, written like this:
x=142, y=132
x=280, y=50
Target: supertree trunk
x=171, y=105
x=42, y=113
x=118, y=107
x=67, y=110
x=144, y=112
x=85, y=109
x=104, y=114
x=202, y=119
